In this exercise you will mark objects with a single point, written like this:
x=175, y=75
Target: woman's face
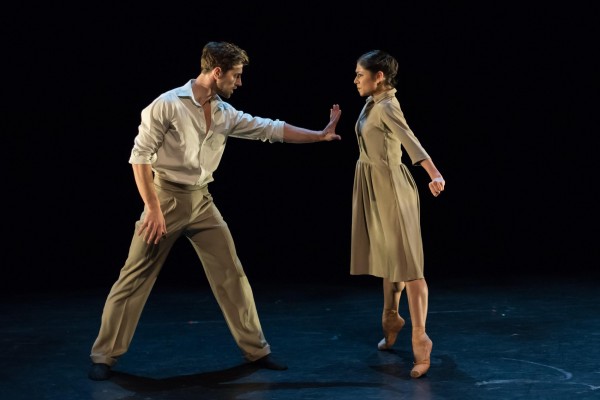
x=365, y=81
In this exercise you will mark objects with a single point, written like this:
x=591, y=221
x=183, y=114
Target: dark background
x=502, y=96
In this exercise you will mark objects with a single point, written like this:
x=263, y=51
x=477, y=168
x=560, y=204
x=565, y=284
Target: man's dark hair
x=222, y=54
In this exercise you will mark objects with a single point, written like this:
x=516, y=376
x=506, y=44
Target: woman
x=386, y=231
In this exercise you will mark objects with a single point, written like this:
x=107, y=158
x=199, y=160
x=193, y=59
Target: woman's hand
x=437, y=186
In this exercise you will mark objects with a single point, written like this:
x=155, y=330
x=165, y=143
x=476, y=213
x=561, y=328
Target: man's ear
x=217, y=72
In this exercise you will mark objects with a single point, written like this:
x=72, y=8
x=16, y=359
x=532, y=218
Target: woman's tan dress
x=386, y=231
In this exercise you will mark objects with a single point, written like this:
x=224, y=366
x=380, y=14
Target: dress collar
x=381, y=96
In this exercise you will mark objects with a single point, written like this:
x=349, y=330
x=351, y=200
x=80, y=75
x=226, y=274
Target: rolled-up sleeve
x=246, y=126
x=151, y=133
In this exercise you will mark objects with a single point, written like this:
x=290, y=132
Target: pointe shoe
x=392, y=323
x=421, y=363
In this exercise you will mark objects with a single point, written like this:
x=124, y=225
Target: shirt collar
x=186, y=91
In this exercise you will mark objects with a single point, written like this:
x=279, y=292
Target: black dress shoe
x=99, y=372
x=268, y=363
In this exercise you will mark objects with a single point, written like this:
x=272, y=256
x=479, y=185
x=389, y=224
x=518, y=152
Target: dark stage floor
x=491, y=341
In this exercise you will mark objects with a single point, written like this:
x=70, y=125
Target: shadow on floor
x=532, y=340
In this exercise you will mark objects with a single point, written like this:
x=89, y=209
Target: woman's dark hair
x=222, y=54
x=378, y=60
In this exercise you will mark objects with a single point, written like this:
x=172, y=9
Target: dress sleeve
x=393, y=118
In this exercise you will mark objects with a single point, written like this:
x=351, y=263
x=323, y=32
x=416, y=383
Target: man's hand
x=154, y=227
x=329, y=131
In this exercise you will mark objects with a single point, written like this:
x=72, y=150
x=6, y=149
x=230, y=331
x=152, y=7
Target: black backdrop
x=503, y=97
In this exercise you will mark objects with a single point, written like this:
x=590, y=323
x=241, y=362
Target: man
x=180, y=142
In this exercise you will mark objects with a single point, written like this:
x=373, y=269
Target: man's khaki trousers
x=189, y=211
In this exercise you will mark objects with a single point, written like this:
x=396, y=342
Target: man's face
x=229, y=81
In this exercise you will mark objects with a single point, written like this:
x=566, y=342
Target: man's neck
x=202, y=89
